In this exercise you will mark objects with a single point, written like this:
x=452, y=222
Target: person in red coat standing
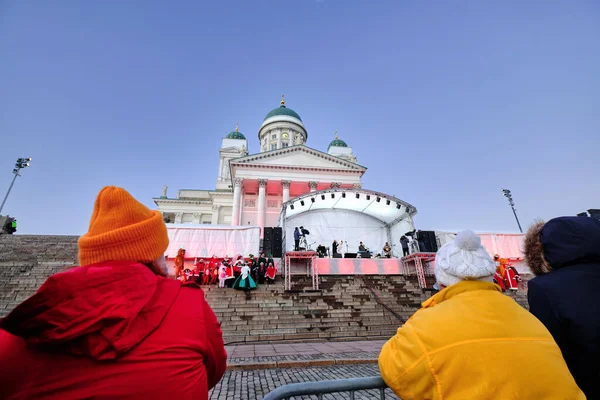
x=116, y=326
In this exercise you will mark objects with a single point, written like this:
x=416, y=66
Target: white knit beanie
x=463, y=259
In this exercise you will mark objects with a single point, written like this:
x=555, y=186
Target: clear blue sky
x=445, y=102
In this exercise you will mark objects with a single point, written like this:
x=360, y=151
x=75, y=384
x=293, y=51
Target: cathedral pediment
x=298, y=157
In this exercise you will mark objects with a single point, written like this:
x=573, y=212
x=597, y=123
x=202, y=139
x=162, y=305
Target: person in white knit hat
x=470, y=341
x=463, y=259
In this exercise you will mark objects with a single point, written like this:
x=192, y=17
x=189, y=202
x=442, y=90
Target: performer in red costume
x=229, y=272
x=270, y=273
x=207, y=274
x=506, y=275
x=511, y=278
x=179, y=262
x=214, y=265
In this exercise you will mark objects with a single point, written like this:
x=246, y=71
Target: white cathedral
x=251, y=189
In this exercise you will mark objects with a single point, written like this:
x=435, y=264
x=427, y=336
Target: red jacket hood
x=101, y=310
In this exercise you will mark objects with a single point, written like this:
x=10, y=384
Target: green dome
x=338, y=143
x=235, y=135
x=283, y=110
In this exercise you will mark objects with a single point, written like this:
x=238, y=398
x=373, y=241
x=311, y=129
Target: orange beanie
x=122, y=228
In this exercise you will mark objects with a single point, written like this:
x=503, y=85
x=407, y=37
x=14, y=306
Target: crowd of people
x=238, y=273
x=118, y=327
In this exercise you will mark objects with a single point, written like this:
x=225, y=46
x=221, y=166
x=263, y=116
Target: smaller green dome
x=235, y=134
x=338, y=143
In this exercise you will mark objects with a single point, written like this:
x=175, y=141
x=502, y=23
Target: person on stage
x=244, y=281
x=334, y=248
x=387, y=250
x=207, y=274
x=237, y=268
x=222, y=275
x=253, y=267
x=179, y=262
x=404, y=243
x=229, y=273
x=262, y=259
x=270, y=274
x=214, y=265
x=296, y=239
x=262, y=267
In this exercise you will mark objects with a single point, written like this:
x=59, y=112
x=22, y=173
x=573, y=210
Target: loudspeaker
x=350, y=255
x=277, y=242
x=429, y=240
x=337, y=255
x=268, y=241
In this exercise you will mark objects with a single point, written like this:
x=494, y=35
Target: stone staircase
x=27, y=260
x=343, y=309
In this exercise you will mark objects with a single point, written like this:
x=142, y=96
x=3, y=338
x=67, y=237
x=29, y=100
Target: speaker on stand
x=277, y=242
x=268, y=241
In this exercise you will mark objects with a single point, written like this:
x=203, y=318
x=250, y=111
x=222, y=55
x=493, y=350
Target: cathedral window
x=284, y=144
x=273, y=146
x=274, y=136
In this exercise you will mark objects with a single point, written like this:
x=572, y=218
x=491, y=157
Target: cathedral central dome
x=282, y=110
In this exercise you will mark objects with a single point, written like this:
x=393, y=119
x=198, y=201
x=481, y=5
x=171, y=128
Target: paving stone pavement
x=254, y=356
x=255, y=384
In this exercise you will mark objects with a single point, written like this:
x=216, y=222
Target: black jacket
x=567, y=300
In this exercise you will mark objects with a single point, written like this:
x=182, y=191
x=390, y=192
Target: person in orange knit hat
x=111, y=327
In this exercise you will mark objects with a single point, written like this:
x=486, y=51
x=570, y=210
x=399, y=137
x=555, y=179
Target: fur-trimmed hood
x=561, y=242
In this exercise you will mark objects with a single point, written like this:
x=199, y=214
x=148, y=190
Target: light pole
x=21, y=163
x=506, y=193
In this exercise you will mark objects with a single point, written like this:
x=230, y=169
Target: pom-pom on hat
x=122, y=228
x=463, y=259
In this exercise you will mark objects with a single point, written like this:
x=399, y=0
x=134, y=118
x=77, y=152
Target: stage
x=359, y=266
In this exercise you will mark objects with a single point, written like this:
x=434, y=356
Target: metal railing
x=323, y=387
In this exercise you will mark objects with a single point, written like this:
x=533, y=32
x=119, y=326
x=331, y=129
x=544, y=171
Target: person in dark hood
x=116, y=326
x=564, y=254
x=296, y=239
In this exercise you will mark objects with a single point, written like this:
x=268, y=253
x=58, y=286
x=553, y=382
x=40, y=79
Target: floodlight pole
x=508, y=195
x=21, y=163
x=9, y=189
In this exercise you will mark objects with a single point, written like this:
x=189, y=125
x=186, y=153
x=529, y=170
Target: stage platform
x=359, y=266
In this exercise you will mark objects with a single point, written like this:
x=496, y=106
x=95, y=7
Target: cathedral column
x=197, y=217
x=279, y=141
x=214, y=219
x=262, y=204
x=178, y=217
x=312, y=185
x=286, y=190
x=237, y=194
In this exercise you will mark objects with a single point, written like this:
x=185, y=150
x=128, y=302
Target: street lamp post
x=506, y=193
x=21, y=163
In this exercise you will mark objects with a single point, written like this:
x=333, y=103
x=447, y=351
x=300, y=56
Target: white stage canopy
x=208, y=240
x=351, y=215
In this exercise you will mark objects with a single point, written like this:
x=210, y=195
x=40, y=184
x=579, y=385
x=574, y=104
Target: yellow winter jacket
x=470, y=341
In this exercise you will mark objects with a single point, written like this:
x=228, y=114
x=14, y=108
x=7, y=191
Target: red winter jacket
x=111, y=330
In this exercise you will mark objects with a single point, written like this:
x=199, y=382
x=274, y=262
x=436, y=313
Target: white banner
x=209, y=240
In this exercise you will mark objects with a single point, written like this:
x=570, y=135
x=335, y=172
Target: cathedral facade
x=251, y=188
